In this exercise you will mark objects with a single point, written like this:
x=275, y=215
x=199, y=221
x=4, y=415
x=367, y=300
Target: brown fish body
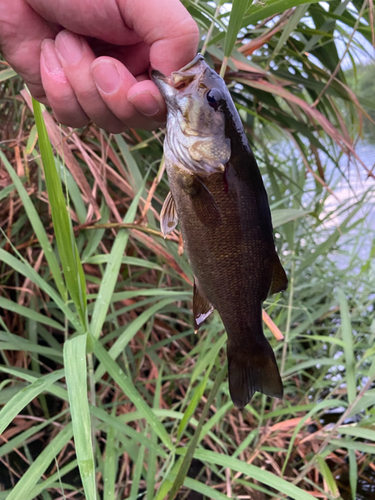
x=226, y=226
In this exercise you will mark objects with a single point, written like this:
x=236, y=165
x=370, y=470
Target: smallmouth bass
x=219, y=199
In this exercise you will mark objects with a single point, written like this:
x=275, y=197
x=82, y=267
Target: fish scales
x=242, y=263
x=218, y=197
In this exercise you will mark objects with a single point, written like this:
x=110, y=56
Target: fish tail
x=253, y=368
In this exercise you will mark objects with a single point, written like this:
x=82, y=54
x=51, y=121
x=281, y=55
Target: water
x=349, y=191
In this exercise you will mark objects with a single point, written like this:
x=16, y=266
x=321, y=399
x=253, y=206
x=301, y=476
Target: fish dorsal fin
x=168, y=215
x=204, y=204
x=279, y=278
x=201, y=307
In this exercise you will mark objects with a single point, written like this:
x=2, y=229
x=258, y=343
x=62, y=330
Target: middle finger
x=76, y=58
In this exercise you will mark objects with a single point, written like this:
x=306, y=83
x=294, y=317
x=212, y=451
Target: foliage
x=99, y=303
x=362, y=81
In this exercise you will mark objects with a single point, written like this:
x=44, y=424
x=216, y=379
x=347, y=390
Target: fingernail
x=145, y=103
x=106, y=76
x=69, y=47
x=50, y=58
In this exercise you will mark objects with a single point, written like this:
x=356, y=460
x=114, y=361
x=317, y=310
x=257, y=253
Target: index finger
x=167, y=27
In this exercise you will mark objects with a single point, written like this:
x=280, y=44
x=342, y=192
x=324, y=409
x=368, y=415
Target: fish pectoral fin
x=204, y=204
x=201, y=307
x=279, y=277
x=168, y=215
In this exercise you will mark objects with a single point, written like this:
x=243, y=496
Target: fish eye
x=214, y=96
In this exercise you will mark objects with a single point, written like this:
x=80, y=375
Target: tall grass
x=105, y=390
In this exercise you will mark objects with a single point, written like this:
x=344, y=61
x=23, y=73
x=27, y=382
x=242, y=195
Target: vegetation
x=105, y=390
x=361, y=80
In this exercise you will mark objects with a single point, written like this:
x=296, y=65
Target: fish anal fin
x=204, y=204
x=168, y=215
x=279, y=277
x=252, y=369
x=201, y=307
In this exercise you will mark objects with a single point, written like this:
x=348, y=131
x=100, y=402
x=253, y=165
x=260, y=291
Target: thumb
x=167, y=27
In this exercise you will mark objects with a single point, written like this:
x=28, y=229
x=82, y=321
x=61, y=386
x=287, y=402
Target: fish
x=218, y=198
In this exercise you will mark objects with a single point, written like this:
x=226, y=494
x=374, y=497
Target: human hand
x=90, y=59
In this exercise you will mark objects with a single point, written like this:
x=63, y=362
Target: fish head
x=196, y=98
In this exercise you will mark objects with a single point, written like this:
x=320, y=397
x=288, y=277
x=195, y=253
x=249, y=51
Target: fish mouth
x=192, y=63
x=163, y=83
x=179, y=80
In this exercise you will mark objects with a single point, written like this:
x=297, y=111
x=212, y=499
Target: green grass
x=105, y=391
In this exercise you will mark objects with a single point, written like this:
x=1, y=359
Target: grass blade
x=29, y=272
x=181, y=475
x=328, y=477
x=255, y=473
x=347, y=337
x=110, y=465
x=112, y=269
x=5, y=74
x=284, y=215
x=76, y=381
x=257, y=12
x=70, y=260
x=138, y=466
x=197, y=396
x=26, y=312
x=24, y=487
x=15, y=405
x=38, y=228
x=127, y=386
x=235, y=23
x=353, y=473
